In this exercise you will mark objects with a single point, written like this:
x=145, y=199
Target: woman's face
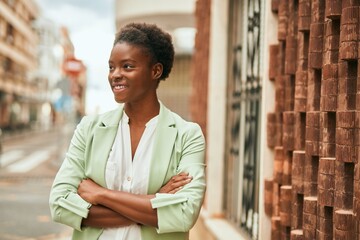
x=132, y=76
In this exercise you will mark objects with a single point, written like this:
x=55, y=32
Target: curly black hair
x=153, y=39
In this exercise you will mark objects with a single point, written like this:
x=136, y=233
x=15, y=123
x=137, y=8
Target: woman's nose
x=116, y=73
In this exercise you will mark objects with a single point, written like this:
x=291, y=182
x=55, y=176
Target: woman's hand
x=89, y=190
x=176, y=183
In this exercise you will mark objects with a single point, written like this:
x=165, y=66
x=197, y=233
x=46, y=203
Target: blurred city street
x=28, y=165
x=273, y=85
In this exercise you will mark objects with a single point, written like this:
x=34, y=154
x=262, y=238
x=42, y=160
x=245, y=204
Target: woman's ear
x=157, y=70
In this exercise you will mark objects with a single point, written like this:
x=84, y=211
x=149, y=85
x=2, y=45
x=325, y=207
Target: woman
x=136, y=172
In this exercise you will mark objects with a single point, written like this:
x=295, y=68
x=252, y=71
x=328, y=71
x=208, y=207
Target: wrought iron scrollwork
x=242, y=198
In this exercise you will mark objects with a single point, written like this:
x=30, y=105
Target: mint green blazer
x=179, y=147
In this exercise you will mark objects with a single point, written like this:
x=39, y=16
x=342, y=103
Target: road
x=27, y=169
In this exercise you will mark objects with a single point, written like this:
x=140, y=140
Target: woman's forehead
x=124, y=49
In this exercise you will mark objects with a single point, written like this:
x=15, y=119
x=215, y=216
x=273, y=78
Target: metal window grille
x=243, y=117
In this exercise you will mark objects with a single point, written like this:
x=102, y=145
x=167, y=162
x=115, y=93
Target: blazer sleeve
x=66, y=206
x=178, y=212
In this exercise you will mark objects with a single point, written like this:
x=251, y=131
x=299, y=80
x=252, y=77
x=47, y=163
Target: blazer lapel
x=104, y=136
x=164, y=144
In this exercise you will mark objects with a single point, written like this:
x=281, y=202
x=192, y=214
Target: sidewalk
x=16, y=134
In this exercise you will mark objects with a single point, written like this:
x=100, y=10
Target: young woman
x=136, y=172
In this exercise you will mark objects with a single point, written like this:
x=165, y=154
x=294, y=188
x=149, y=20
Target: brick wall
x=314, y=129
x=200, y=65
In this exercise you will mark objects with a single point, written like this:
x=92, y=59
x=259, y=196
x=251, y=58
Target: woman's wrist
x=102, y=195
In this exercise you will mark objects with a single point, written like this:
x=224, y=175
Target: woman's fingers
x=176, y=183
x=180, y=181
x=175, y=190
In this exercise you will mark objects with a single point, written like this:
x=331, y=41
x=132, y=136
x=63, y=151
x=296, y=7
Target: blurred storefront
x=19, y=101
x=35, y=55
x=177, y=18
x=64, y=73
x=50, y=55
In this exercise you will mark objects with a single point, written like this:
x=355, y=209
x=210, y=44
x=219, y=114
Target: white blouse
x=129, y=175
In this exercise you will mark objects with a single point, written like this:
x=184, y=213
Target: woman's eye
x=111, y=68
x=128, y=66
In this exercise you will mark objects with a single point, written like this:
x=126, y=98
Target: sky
x=91, y=25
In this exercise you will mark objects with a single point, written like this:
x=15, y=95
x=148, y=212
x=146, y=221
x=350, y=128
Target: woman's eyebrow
x=123, y=60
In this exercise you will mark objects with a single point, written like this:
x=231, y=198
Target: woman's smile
x=117, y=87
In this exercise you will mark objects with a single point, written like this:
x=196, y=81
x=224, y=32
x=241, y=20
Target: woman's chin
x=119, y=100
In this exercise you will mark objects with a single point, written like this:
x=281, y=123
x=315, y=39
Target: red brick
x=349, y=3
x=327, y=149
x=332, y=43
x=304, y=8
x=347, y=85
x=345, y=136
x=324, y=235
x=348, y=50
x=309, y=233
x=344, y=184
x=326, y=197
x=282, y=20
x=330, y=71
x=344, y=220
x=300, y=104
x=346, y=101
x=329, y=87
x=317, y=30
x=347, y=69
x=330, y=57
x=327, y=166
x=350, y=15
x=318, y=11
x=315, y=60
x=274, y=50
x=275, y=5
x=275, y=227
x=345, y=153
x=340, y=234
x=333, y=9
x=345, y=119
x=343, y=169
x=329, y=103
x=304, y=23
x=343, y=200
x=310, y=205
x=349, y=32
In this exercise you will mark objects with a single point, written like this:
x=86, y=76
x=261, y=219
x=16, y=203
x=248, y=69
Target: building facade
x=233, y=118
x=50, y=55
x=281, y=119
x=35, y=56
x=73, y=82
x=18, y=57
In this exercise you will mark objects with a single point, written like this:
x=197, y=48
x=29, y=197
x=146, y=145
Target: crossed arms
x=112, y=208
x=77, y=202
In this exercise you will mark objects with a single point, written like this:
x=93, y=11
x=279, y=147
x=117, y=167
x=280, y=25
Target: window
x=7, y=65
x=9, y=34
x=243, y=117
